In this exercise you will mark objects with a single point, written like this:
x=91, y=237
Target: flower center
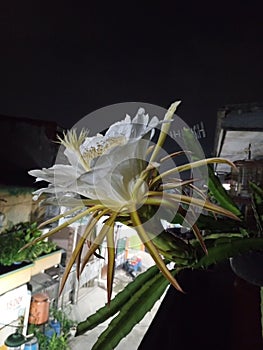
x=101, y=145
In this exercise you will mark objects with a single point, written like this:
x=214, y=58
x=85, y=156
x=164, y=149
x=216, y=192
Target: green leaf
x=230, y=248
x=220, y=194
x=120, y=299
x=257, y=205
x=209, y=223
x=132, y=313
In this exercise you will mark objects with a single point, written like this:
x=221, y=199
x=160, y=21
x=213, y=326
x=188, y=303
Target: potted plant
x=17, y=263
x=54, y=340
x=13, y=240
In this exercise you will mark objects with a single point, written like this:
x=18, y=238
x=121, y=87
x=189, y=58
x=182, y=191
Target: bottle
x=55, y=324
x=32, y=344
x=39, y=309
x=49, y=331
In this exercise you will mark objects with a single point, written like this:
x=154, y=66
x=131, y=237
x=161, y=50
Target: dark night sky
x=61, y=62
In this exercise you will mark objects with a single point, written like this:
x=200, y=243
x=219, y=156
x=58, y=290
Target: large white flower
x=100, y=166
x=118, y=181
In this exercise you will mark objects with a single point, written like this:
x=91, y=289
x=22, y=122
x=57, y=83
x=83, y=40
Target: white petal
x=59, y=174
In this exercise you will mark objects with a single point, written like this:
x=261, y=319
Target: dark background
x=61, y=60
x=218, y=311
